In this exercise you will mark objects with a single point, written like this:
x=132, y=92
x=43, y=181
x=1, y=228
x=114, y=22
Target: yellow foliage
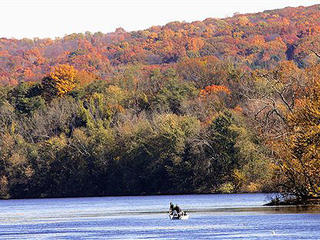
x=239, y=176
x=226, y=188
x=243, y=20
x=17, y=159
x=56, y=143
x=252, y=187
x=60, y=81
x=302, y=161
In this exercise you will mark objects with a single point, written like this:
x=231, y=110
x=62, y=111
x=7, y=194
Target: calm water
x=235, y=216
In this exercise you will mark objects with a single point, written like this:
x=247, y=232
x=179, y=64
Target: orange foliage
x=238, y=109
x=259, y=40
x=84, y=78
x=214, y=89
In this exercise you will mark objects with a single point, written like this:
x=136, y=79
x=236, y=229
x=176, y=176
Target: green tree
x=172, y=95
x=26, y=97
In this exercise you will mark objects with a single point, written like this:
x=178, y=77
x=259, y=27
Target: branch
x=317, y=54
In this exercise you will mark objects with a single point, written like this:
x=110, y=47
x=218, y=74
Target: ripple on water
x=241, y=216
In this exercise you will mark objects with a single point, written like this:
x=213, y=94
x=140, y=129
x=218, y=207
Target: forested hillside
x=256, y=40
x=220, y=105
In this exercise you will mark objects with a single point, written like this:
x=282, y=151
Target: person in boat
x=175, y=209
x=171, y=208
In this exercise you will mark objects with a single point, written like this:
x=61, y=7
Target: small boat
x=175, y=216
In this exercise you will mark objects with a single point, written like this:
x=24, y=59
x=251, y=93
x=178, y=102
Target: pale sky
x=56, y=18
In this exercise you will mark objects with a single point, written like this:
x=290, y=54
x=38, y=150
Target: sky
x=56, y=18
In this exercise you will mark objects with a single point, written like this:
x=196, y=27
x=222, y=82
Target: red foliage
x=259, y=40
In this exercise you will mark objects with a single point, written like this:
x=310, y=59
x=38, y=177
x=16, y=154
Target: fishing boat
x=176, y=216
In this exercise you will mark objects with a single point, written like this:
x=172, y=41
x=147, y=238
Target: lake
x=212, y=216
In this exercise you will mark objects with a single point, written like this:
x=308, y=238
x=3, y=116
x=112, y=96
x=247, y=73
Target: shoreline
x=141, y=195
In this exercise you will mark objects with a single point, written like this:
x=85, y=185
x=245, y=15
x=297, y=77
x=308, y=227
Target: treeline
x=160, y=134
x=212, y=128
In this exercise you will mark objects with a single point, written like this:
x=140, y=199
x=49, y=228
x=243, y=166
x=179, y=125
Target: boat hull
x=177, y=217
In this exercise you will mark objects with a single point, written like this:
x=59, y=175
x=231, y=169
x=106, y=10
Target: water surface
x=214, y=216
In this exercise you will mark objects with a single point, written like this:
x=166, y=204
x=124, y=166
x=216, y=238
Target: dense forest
x=220, y=105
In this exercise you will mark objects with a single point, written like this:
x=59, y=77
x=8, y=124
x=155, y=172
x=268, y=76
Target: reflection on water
x=234, y=216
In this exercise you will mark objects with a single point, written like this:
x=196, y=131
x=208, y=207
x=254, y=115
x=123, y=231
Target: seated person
x=175, y=209
x=171, y=207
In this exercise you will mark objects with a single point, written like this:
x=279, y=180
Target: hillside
x=256, y=40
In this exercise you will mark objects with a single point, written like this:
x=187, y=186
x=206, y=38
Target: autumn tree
x=271, y=96
x=300, y=158
x=60, y=81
